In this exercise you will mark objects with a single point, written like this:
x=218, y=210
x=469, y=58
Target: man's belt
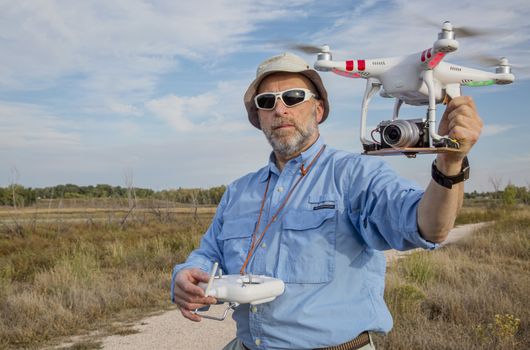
x=362, y=339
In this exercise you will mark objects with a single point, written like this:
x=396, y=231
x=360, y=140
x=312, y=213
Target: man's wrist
x=445, y=174
x=448, y=164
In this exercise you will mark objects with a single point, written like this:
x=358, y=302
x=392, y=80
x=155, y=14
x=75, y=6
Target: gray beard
x=288, y=147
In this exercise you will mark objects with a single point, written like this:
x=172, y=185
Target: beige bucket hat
x=285, y=62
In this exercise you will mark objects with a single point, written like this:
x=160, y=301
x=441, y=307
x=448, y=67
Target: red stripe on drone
x=429, y=53
x=437, y=58
x=349, y=65
x=360, y=65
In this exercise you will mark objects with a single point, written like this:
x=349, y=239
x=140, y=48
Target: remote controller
x=244, y=289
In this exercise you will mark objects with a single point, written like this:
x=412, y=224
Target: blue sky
x=96, y=91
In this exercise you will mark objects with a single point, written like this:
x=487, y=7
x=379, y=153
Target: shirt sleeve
x=208, y=252
x=384, y=207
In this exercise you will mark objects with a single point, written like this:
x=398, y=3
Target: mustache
x=281, y=122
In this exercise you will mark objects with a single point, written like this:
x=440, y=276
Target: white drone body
x=241, y=289
x=422, y=78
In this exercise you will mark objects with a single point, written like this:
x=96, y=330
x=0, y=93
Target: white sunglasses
x=290, y=98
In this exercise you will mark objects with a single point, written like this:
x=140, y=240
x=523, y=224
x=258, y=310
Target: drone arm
x=372, y=86
x=324, y=65
x=448, y=73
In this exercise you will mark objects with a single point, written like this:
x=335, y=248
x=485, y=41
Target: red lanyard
x=255, y=243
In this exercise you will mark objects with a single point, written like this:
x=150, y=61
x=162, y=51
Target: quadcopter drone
x=422, y=78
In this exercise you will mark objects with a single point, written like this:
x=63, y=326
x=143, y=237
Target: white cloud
x=25, y=126
x=494, y=129
x=180, y=112
x=120, y=45
x=124, y=109
x=220, y=109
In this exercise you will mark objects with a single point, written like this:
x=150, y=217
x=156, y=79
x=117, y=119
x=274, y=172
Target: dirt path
x=171, y=331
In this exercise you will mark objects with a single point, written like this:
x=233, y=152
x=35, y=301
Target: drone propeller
x=309, y=49
x=460, y=32
x=492, y=61
x=466, y=32
x=487, y=60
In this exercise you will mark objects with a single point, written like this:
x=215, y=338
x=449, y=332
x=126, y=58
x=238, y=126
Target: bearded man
x=318, y=219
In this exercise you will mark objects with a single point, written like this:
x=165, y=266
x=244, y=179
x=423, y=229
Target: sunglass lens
x=266, y=101
x=292, y=97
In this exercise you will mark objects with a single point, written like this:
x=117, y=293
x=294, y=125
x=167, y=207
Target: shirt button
x=257, y=341
x=263, y=245
x=254, y=309
x=280, y=189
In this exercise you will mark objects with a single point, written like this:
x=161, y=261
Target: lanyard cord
x=255, y=243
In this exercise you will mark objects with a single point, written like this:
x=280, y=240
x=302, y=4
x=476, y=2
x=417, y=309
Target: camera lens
x=401, y=133
x=393, y=134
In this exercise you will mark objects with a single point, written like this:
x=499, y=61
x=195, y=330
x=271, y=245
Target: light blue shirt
x=325, y=245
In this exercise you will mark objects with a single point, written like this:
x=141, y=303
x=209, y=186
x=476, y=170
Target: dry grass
x=62, y=280
x=470, y=295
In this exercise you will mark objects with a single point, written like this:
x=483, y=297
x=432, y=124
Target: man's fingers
x=183, y=305
x=187, y=281
x=190, y=315
x=199, y=275
x=460, y=101
x=188, y=295
x=190, y=288
x=460, y=113
x=193, y=299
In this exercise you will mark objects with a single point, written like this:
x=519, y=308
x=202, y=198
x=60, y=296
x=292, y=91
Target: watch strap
x=449, y=181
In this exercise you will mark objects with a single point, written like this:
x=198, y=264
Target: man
x=318, y=218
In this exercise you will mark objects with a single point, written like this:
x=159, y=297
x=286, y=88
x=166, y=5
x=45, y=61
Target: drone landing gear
x=202, y=311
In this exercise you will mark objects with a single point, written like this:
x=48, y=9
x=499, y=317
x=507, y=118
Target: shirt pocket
x=307, y=246
x=234, y=241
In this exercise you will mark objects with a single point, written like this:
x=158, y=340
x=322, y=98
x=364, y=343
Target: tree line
x=19, y=196
x=511, y=195
x=16, y=195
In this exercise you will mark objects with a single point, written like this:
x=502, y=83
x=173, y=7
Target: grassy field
x=470, y=295
x=60, y=277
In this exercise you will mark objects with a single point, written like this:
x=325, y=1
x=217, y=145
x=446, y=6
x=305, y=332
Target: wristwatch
x=449, y=181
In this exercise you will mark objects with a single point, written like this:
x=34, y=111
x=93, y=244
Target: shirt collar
x=307, y=156
x=304, y=158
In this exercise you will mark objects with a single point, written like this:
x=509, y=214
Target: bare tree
x=195, y=202
x=496, y=182
x=17, y=228
x=128, y=176
x=131, y=194
x=13, y=181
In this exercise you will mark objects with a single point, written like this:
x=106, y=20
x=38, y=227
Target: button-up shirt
x=325, y=245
